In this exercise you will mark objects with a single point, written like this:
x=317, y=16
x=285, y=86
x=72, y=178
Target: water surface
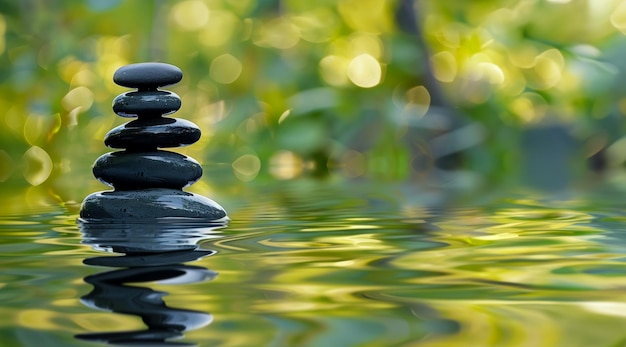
x=324, y=265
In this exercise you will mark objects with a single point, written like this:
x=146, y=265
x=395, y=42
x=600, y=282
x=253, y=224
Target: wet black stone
x=140, y=170
x=148, y=182
x=148, y=103
x=150, y=204
x=152, y=133
x=147, y=76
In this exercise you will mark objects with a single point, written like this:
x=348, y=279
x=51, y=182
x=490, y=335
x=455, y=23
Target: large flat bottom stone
x=150, y=204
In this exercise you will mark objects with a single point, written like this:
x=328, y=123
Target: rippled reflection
x=151, y=253
x=325, y=268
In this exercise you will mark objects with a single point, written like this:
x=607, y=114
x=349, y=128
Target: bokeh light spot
x=523, y=55
x=618, y=17
x=450, y=34
x=318, y=25
x=225, y=69
x=190, y=15
x=246, y=167
x=285, y=165
x=279, y=33
x=219, y=29
x=529, y=107
x=548, y=68
x=444, y=66
x=40, y=127
x=37, y=165
x=84, y=77
x=68, y=67
x=364, y=71
x=79, y=97
x=334, y=70
x=418, y=102
x=491, y=72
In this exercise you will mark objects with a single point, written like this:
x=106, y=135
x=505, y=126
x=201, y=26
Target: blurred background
x=446, y=92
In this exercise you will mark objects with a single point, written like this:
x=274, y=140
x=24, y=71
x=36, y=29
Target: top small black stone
x=147, y=76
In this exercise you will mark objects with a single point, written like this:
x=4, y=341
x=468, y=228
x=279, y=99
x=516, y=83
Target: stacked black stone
x=148, y=182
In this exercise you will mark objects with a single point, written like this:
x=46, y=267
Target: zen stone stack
x=148, y=182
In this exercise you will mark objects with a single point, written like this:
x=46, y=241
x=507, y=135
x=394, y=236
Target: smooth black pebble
x=140, y=170
x=149, y=103
x=152, y=133
x=147, y=76
x=150, y=204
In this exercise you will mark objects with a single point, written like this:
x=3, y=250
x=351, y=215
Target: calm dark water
x=324, y=265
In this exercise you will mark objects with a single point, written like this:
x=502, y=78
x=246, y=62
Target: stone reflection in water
x=151, y=253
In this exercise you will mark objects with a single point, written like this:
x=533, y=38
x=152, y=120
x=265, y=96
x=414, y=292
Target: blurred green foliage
x=287, y=88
